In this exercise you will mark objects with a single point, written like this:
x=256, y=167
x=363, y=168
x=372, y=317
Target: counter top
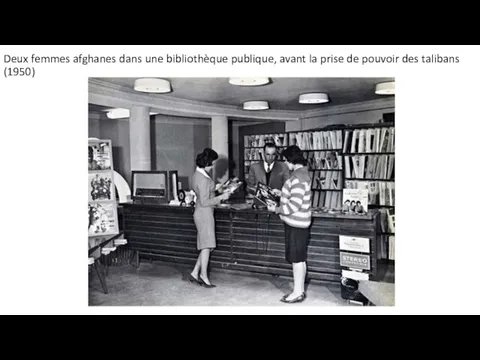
x=246, y=208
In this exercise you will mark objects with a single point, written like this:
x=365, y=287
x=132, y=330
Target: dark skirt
x=296, y=244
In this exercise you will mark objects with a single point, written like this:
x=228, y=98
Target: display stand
x=102, y=203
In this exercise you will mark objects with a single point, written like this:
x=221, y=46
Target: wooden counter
x=248, y=240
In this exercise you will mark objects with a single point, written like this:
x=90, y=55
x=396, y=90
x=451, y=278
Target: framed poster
x=102, y=218
x=102, y=200
x=100, y=155
x=101, y=186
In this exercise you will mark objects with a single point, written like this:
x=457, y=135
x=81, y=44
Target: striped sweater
x=295, y=204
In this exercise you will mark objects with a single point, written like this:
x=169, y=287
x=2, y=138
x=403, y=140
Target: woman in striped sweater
x=295, y=211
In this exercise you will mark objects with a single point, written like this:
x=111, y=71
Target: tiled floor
x=159, y=284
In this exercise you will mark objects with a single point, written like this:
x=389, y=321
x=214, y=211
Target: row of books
x=373, y=140
x=260, y=140
x=257, y=154
x=387, y=220
x=369, y=140
x=317, y=140
x=370, y=166
x=254, y=154
x=379, y=192
x=325, y=160
x=391, y=247
x=326, y=180
x=387, y=248
x=327, y=199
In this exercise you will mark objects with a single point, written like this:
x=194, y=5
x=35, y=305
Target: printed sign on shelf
x=350, y=243
x=355, y=261
x=355, y=275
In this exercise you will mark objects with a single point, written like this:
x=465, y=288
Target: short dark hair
x=206, y=158
x=293, y=154
x=270, y=145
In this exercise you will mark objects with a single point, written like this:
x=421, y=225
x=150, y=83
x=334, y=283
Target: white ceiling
x=281, y=93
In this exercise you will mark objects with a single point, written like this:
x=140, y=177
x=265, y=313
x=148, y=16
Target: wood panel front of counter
x=247, y=240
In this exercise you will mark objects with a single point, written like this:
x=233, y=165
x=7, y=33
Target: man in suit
x=269, y=171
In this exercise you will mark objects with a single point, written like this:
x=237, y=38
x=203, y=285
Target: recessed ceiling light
x=255, y=105
x=386, y=88
x=254, y=81
x=313, y=98
x=152, y=85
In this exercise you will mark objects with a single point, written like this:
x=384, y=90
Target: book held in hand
x=265, y=196
x=229, y=186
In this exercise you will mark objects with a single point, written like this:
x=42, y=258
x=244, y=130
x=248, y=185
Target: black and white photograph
x=240, y=179
x=309, y=140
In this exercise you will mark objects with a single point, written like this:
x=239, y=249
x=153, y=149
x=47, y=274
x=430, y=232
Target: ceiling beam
x=112, y=95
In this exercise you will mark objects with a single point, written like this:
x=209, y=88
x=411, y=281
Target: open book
x=265, y=196
x=231, y=185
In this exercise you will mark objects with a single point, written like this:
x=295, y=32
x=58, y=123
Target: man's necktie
x=268, y=174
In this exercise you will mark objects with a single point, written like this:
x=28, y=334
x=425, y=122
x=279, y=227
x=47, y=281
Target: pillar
x=220, y=145
x=140, y=153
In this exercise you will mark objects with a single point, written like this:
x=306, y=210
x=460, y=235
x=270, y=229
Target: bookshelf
x=343, y=156
x=322, y=149
x=369, y=163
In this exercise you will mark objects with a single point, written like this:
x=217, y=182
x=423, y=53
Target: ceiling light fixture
x=121, y=113
x=255, y=105
x=386, y=88
x=152, y=85
x=313, y=98
x=254, y=81
x=118, y=113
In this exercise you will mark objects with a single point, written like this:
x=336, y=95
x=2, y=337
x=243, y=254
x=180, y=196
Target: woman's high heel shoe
x=193, y=280
x=204, y=284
